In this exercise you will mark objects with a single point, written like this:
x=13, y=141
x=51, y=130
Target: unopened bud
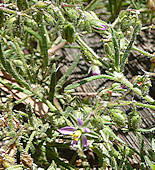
x=95, y=70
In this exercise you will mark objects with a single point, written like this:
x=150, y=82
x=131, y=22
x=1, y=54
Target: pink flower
x=76, y=133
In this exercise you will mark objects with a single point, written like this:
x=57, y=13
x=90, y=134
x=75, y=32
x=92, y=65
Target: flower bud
x=96, y=70
x=118, y=117
x=134, y=120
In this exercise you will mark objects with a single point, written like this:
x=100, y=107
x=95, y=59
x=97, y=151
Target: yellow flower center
x=76, y=135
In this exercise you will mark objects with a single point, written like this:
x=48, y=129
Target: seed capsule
x=134, y=121
x=118, y=117
x=68, y=33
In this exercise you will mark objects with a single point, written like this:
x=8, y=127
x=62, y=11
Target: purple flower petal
x=79, y=121
x=84, y=141
x=67, y=130
x=73, y=143
x=86, y=130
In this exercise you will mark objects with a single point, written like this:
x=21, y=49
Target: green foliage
x=30, y=139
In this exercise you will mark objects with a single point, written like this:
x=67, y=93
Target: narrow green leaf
x=73, y=119
x=52, y=83
x=15, y=167
x=115, y=6
x=13, y=86
x=14, y=73
x=98, y=151
x=142, y=148
x=30, y=141
x=129, y=47
x=8, y=66
x=116, y=48
x=43, y=45
x=22, y=58
x=86, y=80
x=69, y=71
x=53, y=166
x=104, y=63
x=69, y=33
x=36, y=35
x=2, y=58
x=92, y=5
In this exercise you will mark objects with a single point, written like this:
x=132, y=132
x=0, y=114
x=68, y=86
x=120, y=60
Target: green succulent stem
x=143, y=52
